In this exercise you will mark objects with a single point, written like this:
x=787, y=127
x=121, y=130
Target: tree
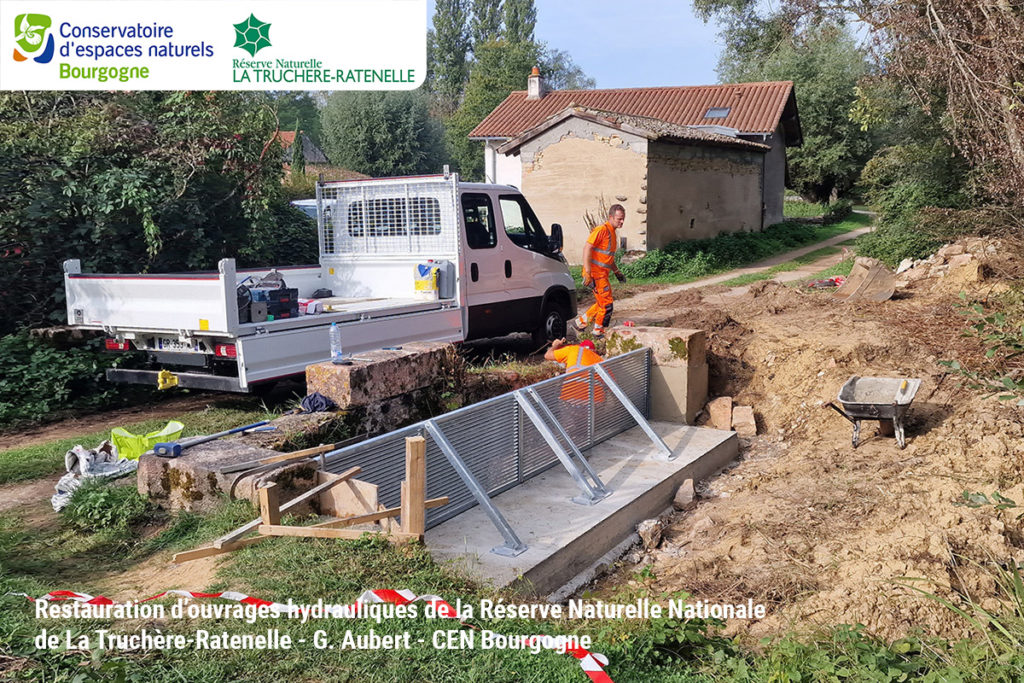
x=143, y=181
x=301, y=107
x=825, y=65
x=383, y=133
x=298, y=160
x=500, y=68
x=520, y=21
x=449, y=47
x=486, y=23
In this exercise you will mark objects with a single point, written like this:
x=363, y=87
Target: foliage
x=692, y=259
x=301, y=108
x=37, y=379
x=1003, y=338
x=298, y=157
x=485, y=25
x=802, y=209
x=98, y=505
x=386, y=133
x=520, y=20
x=893, y=242
x=837, y=211
x=449, y=46
x=499, y=68
x=151, y=181
x=901, y=180
x=824, y=63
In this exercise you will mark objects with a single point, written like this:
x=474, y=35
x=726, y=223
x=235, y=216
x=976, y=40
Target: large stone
x=650, y=533
x=743, y=421
x=679, y=376
x=377, y=375
x=950, y=250
x=686, y=497
x=720, y=410
x=960, y=260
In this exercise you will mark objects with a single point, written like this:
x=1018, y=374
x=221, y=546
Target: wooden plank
x=414, y=488
x=251, y=526
x=354, y=498
x=294, y=455
x=270, y=506
x=189, y=555
x=321, y=532
x=375, y=516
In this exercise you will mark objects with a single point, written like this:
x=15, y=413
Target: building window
x=717, y=113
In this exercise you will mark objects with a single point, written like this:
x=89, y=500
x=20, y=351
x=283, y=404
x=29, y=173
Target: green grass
x=802, y=209
x=687, y=261
x=770, y=273
x=43, y=459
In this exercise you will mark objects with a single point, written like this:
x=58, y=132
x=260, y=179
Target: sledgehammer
x=173, y=450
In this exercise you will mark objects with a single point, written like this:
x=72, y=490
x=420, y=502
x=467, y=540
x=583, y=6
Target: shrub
x=36, y=378
x=895, y=241
x=837, y=211
x=97, y=506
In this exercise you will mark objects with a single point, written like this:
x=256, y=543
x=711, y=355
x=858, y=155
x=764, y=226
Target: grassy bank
x=687, y=261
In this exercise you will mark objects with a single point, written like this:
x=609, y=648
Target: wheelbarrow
x=886, y=399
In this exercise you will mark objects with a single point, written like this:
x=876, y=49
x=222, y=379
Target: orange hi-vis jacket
x=575, y=358
x=602, y=254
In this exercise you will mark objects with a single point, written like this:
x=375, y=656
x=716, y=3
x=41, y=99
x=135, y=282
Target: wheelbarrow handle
x=839, y=410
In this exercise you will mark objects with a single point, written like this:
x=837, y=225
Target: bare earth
x=818, y=531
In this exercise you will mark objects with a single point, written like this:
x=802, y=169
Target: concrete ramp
x=566, y=539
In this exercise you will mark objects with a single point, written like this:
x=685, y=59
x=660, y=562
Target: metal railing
x=477, y=452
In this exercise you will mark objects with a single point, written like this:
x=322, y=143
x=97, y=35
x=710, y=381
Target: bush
x=97, y=506
x=895, y=241
x=837, y=211
x=36, y=378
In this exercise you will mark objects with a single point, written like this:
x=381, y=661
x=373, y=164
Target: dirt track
x=819, y=531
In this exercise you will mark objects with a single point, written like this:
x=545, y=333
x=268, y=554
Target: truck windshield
x=521, y=226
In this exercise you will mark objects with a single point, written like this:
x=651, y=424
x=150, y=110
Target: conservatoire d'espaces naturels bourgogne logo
x=252, y=35
x=32, y=35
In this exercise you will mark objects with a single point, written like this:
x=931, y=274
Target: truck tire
x=553, y=320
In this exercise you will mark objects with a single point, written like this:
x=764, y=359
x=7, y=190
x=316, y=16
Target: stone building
x=687, y=163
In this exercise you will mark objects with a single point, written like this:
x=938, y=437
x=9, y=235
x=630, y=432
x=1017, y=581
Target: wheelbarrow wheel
x=901, y=440
x=856, y=433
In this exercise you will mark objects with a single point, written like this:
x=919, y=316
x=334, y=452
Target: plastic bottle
x=337, y=356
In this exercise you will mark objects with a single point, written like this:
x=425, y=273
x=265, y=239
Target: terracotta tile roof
x=644, y=126
x=753, y=107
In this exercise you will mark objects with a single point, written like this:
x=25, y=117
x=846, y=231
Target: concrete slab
x=565, y=538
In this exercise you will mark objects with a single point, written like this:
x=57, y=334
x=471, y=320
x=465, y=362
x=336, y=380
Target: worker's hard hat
x=587, y=344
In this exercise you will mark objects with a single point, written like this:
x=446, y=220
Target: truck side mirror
x=555, y=241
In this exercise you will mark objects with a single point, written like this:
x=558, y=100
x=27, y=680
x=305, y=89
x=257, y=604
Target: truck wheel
x=553, y=323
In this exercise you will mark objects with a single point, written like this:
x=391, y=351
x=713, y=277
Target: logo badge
x=34, y=38
x=252, y=35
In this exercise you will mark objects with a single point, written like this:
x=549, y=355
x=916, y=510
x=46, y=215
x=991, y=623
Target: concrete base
x=564, y=538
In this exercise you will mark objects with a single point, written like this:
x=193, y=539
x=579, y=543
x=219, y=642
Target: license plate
x=167, y=344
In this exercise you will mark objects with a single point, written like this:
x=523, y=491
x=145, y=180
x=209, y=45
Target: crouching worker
x=576, y=357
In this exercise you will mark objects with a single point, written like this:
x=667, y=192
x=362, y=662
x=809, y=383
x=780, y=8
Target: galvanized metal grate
x=497, y=442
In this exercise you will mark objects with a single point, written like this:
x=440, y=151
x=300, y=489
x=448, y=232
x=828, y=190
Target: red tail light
x=225, y=351
x=114, y=345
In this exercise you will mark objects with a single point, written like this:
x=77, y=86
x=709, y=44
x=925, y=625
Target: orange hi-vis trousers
x=601, y=310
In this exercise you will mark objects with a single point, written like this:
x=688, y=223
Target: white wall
x=499, y=168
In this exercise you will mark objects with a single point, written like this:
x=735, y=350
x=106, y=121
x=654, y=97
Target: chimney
x=535, y=88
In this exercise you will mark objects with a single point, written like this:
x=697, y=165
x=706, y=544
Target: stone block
x=669, y=346
x=378, y=375
x=960, y=260
x=650, y=531
x=950, y=250
x=720, y=412
x=686, y=497
x=678, y=392
x=743, y=422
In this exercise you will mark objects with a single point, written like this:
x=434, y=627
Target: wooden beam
x=189, y=555
x=414, y=488
x=374, y=516
x=251, y=526
x=270, y=505
x=322, y=532
x=284, y=457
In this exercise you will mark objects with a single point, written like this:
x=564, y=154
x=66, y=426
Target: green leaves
x=978, y=499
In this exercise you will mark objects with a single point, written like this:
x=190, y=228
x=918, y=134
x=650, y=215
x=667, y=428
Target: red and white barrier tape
x=592, y=663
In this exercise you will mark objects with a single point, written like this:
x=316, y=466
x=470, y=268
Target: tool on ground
x=174, y=449
x=869, y=280
x=886, y=399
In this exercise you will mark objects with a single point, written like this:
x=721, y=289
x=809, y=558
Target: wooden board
x=350, y=499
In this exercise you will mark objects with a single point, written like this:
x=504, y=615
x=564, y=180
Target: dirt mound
x=819, y=531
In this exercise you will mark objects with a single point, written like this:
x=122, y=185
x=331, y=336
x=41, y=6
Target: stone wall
x=698, y=191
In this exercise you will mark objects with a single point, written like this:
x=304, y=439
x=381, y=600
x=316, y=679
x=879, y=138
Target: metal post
x=573, y=450
x=590, y=495
x=637, y=415
x=513, y=546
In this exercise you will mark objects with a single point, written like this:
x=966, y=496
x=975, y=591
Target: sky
x=630, y=43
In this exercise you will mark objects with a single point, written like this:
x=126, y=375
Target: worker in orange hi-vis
x=598, y=262
x=575, y=357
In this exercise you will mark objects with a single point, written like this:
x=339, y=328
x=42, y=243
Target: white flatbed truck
x=499, y=272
